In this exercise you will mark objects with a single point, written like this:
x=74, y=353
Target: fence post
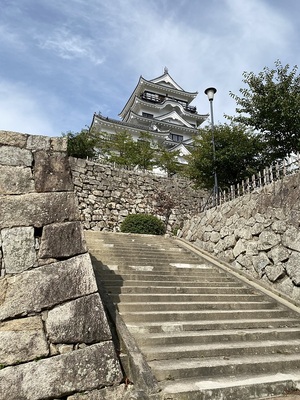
x=231, y=192
x=267, y=175
x=271, y=174
x=264, y=177
x=247, y=185
x=253, y=182
x=277, y=170
x=284, y=168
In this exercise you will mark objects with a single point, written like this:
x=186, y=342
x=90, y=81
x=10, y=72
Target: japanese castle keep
x=160, y=107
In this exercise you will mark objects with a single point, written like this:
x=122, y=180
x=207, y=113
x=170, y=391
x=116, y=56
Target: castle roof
x=164, y=85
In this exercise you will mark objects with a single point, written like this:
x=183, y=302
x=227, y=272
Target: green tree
x=119, y=148
x=145, y=151
x=167, y=160
x=270, y=104
x=81, y=144
x=237, y=156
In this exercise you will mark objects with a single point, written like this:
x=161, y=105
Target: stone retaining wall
x=257, y=233
x=55, y=341
x=107, y=195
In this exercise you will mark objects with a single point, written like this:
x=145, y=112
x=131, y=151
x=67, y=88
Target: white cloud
x=257, y=20
x=69, y=45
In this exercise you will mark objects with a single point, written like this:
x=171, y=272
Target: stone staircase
x=205, y=333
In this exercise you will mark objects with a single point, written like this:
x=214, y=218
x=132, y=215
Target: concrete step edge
x=241, y=388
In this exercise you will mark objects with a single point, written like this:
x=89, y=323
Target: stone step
x=162, y=271
x=205, y=334
x=243, y=387
x=180, y=285
x=117, y=249
x=223, y=350
x=141, y=298
x=141, y=254
x=130, y=239
x=148, y=306
x=156, y=275
x=161, y=263
x=204, y=315
x=164, y=248
x=192, y=326
x=219, y=367
x=217, y=336
x=171, y=278
x=201, y=292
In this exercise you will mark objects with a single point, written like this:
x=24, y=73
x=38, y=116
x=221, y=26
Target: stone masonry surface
x=257, y=233
x=106, y=195
x=55, y=340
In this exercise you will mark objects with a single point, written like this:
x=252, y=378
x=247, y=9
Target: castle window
x=152, y=97
x=176, y=138
x=147, y=115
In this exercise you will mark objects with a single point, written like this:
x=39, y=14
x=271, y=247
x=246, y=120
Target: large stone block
x=59, y=144
x=110, y=393
x=260, y=262
x=44, y=287
x=292, y=268
x=267, y=240
x=252, y=248
x=86, y=369
x=37, y=209
x=52, y=172
x=22, y=340
x=279, y=226
x=62, y=240
x=257, y=228
x=38, y=142
x=275, y=272
x=239, y=248
x=15, y=180
x=291, y=238
x=245, y=261
x=15, y=156
x=18, y=246
x=13, y=139
x=79, y=321
x=279, y=254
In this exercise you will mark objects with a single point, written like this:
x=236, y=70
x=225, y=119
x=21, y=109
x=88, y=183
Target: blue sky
x=61, y=61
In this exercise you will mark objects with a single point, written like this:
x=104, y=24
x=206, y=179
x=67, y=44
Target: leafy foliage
x=167, y=161
x=143, y=223
x=238, y=154
x=145, y=151
x=118, y=148
x=121, y=149
x=82, y=144
x=270, y=103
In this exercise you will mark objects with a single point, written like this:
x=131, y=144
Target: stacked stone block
x=107, y=195
x=257, y=233
x=55, y=340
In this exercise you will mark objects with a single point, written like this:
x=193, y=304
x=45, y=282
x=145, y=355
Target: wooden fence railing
x=277, y=171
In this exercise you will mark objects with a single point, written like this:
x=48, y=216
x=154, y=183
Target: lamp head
x=210, y=93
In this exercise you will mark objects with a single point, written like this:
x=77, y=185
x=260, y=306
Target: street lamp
x=210, y=92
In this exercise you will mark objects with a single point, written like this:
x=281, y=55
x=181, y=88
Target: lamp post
x=210, y=92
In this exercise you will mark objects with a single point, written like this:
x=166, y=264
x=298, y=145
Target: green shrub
x=143, y=223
